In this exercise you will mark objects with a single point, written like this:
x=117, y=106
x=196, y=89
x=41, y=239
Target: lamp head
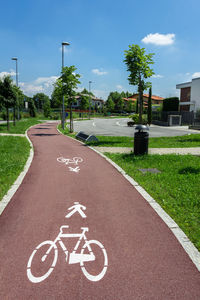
x=65, y=44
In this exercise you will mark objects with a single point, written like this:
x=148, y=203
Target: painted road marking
x=76, y=208
x=76, y=170
x=75, y=160
x=94, y=124
x=73, y=256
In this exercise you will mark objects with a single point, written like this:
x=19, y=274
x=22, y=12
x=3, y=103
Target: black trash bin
x=141, y=140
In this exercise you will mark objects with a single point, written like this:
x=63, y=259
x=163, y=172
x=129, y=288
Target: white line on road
x=93, y=124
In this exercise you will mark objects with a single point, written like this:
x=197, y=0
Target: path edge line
x=185, y=242
x=182, y=238
x=6, y=199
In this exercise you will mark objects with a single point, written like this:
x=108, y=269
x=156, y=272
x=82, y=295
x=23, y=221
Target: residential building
x=190, y=95
x=95, y=102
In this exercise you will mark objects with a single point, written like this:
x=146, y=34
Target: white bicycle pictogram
x=73, y=256
x=67, y=161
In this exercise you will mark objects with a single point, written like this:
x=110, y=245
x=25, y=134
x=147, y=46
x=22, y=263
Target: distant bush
x=55, y=116
x=135, y=119
x=171, y=104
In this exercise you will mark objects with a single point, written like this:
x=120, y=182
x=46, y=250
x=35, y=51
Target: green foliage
x=149, y=110
x=31, y=107
x=136, y=120
x=84, y=104
x=110, y=104
x=171, y=104
x=69, y=80
x=138, y=65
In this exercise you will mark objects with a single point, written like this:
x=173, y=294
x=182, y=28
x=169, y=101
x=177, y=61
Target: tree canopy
x=138, y=65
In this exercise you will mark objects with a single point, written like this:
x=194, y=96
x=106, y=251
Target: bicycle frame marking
x=73, y=256
x=74, y=160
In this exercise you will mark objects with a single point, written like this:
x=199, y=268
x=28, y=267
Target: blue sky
x=99, y=32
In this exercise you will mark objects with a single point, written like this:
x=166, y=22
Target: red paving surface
x=145, y=261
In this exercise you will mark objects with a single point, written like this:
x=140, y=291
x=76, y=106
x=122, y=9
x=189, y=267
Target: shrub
x=135, y=119
x=171, y=104
x=55, y=116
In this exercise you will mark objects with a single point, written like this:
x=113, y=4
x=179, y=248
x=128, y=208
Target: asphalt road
x=118, y=127
x=130, y=253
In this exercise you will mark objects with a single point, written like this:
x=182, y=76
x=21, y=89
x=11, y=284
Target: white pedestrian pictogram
x=76, y=170
x=49, y=249
x=76, y=208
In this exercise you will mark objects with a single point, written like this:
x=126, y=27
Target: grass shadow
x=189, y=170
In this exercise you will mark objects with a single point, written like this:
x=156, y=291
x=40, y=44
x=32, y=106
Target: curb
x=187, y=245
x=6, y=199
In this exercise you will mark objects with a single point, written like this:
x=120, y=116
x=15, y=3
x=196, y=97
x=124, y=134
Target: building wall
x=185, y=96
x=195, y=92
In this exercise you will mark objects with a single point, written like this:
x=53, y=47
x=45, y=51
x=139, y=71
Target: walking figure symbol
x=76, y=170
x=76, y=208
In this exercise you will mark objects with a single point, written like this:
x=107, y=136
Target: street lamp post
x=90, y=98
x=15, y=58
x=63, y=104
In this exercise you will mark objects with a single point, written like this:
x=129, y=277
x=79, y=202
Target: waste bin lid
x=141, y=127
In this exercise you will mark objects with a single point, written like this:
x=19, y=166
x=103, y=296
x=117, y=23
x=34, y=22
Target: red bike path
x=145, y=260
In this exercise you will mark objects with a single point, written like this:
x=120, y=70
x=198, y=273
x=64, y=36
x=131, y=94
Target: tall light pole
x=15, y=58
x=90, y=98
x=63, y=104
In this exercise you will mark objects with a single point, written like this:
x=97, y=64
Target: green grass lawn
x=21, y=126
x=176, y=189
x=14, y=152
x=192, y=140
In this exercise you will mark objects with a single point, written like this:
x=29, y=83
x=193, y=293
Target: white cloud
x=159, y=39
x=196, y=74
x=99, y=72
x=11, y=73
x=157, y=76
x=40, y=85
x=119, y=87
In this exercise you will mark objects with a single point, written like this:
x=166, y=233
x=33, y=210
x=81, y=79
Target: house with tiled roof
x=155, y=99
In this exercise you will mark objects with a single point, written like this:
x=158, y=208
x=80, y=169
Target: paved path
x=183, y=151
x=145, y=261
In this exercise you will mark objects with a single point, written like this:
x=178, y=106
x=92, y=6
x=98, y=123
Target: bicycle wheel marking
x=74, y=161
x=72, y=257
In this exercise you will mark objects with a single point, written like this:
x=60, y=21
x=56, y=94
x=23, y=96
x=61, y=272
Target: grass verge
x=21, y=126
x=66, y=131
x=14, y=152
x=176, y=188
x=185, y=141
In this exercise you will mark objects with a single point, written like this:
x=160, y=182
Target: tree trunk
x=149, y=108
x=8, y=125
x=140, y=101
x=71, y=120
x=14, y=115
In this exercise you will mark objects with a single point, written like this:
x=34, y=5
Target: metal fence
x=187, y=117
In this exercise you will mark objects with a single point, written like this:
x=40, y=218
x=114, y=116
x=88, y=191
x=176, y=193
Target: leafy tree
x=31, y=106
x=84, y=101
x=40, y=99
x=110, y=104
x=85, y=91
x=19, y=98
x=69, y=80
x=57, y=95
x=149, y=109
x=138, y=64
x=7, y=95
